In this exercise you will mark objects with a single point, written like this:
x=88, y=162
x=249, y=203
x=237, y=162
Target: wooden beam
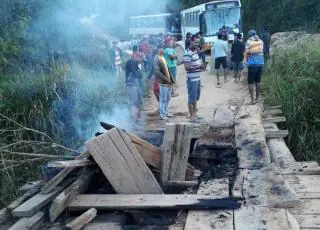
x=82, y=220
x=277, y=134
x=273, y=107
x=150, y=201
x=272, y=112
x=59, y=204
x=71, y=163
x=255, y=217
x=29, y=223
x=22, y=198
x=274, y=119
x=35, y=204
x=302, y=168
x=55, y=181
x=211, y=219
x=175, y=154
x=252, y=149
x=121, y=163
x=182, y=183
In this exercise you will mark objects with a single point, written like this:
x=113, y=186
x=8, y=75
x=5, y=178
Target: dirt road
x=229, y=93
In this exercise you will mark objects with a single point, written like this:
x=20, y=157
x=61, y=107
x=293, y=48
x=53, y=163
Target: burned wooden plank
x=55, y=181
x=59, y=204
x=81, y=221
x=122, y=164
x=255, y=217
x=29, y=223
x=70, y=163
x=266, y=187
x=175, y=154
x=150, y=201
x=253, y=152
x=182, y=183
x=35, y=204
x=211, y=219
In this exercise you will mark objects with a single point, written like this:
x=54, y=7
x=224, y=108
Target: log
x=274, y=119
x=35, y=204
x=211, y=219
x=61, y=202
x=121, y=163
x=175, y=152
x=82, y=220
x=150, y=153
x=28, y=223
x=71, y=163
x=150, y=201
x=55, y=181
x=276, y=134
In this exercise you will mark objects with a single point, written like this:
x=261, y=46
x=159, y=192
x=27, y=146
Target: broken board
x=211, y=219
x=175, y=152
x=265, y=187
x=121, y=163
x=150, y=201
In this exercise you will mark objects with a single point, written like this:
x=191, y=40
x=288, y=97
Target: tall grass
x=40, y=113
x=292, y=80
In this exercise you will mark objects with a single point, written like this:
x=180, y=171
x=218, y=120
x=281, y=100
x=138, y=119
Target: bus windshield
x=215, y=19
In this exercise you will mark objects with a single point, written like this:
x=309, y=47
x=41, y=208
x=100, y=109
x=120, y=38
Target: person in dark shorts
x=237, y=52
x=219, y=52
x=255, y=63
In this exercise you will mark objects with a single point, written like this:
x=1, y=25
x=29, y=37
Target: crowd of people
x=157, y=56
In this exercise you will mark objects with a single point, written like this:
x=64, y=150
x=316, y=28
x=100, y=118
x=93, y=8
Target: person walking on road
x=171, y=59
x=266, y=38
x=193, y=67
x=237, y=52
x=116, y=56
x=219, y=52
x=165, y=80
x=255, y=63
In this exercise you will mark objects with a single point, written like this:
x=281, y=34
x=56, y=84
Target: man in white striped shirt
x=193, y=66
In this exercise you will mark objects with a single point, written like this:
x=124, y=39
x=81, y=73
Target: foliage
x=293, y=81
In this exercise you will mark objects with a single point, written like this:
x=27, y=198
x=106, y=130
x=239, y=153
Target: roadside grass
x=41, y=113
x=292, y=80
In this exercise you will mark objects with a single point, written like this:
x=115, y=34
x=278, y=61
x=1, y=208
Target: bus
x=209, y=17
x=155, y=24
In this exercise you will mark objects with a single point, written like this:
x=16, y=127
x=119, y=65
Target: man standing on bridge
x=193, y=66
x=255, y=63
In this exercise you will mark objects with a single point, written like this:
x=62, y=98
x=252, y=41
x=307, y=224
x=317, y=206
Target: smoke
x=77, y=33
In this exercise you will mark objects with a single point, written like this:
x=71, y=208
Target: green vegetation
x=292, y=79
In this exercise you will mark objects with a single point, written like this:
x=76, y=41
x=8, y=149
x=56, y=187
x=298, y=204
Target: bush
x=293, y=80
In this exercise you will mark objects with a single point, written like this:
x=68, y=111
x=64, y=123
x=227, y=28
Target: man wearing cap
x=133, y=82
x=116, y=56
x=255, y=63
